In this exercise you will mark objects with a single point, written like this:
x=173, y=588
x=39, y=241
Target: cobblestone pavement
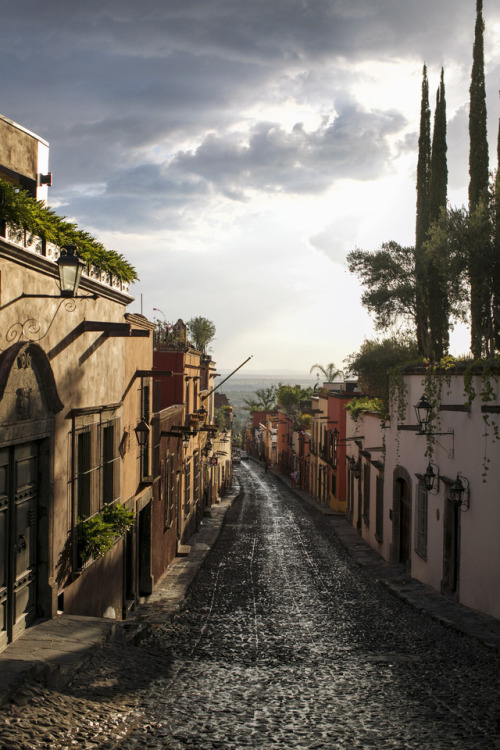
x=283, y=643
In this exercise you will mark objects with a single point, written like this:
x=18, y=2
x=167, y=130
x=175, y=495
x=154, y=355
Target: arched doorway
x=28, y=402
x=401, y=532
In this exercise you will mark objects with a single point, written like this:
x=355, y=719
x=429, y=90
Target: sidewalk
x=52, y=651
x=418, y=595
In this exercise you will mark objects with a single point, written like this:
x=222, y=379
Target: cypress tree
x=478, y=154
x=478, y=192
x=437, y=297
x=422, y=226
x=438, y=187
x=496, y=262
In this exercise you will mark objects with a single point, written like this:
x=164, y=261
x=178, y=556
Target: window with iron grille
x=366, y=494
x=97, y=466
x=196, y=477
x=85, y=471
x=187, y=488
x=421, y=521
x=379, y=509
x=168, y=488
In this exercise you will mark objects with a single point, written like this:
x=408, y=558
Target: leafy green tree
x=330, y=372
x=374, y=360
x=388, y=278
x=202, y=332
x=481, y=314
x=290, y=398
x=265, y=400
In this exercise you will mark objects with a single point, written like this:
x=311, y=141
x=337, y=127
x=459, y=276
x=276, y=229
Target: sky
x=235, y=151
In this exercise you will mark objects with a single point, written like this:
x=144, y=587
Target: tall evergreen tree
x=478, y=154
x=438, y=185
x=481, y=317
x=422, y=226
x=496, y=264
x=437, y=299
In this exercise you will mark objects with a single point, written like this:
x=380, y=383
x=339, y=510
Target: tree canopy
x=374, y=360
x=202, y=332
x=388, y=278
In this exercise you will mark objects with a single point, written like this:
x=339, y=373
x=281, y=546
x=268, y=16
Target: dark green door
x=18, y=526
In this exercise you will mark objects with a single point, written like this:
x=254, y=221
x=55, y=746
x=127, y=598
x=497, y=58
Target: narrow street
x=283, y=643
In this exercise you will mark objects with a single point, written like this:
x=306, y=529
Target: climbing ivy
x=20, y=209
x=488, y=371
x=364, y=405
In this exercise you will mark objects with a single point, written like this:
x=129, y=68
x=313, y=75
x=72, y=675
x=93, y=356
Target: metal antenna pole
x=229, y=376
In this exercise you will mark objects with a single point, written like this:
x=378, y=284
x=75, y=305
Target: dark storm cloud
x=352, y=144
x=108, y=81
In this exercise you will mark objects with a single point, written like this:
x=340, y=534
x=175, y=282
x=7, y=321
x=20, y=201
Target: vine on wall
x=437, y=375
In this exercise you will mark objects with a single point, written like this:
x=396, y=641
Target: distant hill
x=244, y=386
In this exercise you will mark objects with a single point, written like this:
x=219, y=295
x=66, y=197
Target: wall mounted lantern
x=460, y=492
x=431, y=478
x=422, y=411
x=142, y=433
x=208, y=447
x=70, y=268
x=355, y=467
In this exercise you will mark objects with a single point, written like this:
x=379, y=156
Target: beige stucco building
x=74, y=372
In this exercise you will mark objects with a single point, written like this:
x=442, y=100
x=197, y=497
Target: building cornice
x=13, y=252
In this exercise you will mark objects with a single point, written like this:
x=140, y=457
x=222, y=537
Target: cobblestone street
x=284, y=642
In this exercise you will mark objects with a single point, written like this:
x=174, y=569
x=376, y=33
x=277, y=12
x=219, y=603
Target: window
x=196, y=478
x=145, y=415
x=379, y=509
x=85, y=472
x=97, y=464
x=110, y=466
x=187, y=488
x=421, y=521
x=366, y=494
x=168, y=488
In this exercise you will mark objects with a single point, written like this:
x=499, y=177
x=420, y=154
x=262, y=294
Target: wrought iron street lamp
x=142, y=433
x=70, y=268
x=422, y=411
x=460, y=492
x=431, y=478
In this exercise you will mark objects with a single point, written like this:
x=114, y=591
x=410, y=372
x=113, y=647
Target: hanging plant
x=19, y=209
x=398, y=402
x=365, y=405
x=98, y=534
x=488, y=372
x=118, y=517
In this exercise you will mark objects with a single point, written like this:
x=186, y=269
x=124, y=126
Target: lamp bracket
x=449, y=433
x=31, y=328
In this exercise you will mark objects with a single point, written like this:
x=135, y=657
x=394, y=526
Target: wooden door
x=18, y=543
x=451, y=548
x=404, y=522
